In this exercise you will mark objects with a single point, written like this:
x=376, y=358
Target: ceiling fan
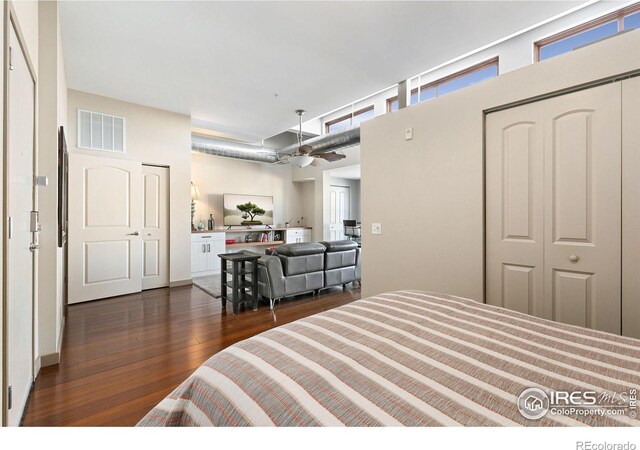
x=306, y=155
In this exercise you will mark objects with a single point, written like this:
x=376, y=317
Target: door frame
x=11, y=20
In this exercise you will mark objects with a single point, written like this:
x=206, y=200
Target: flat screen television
x=247, y=210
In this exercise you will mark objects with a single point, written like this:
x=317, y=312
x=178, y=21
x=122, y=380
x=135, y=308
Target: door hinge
x=9, y=397
x=10, y=58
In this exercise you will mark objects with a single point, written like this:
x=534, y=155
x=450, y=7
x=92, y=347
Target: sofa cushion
x=339, y=259
x=305, y=282
x=335, y=277
x=300, y=249
x=339, y=246
x=294, y=265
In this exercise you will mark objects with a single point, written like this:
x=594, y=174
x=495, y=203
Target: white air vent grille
x=101, y=132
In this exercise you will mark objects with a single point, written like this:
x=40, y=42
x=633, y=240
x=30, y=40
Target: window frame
x=461, y=73
x=617, y=16
x=351, y=115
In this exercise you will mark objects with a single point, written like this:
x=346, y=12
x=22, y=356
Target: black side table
x=239, y=283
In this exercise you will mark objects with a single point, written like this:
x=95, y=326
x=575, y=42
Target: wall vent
x=98, y=131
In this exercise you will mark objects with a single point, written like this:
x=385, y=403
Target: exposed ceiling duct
x=230, y=149
x=326, y=143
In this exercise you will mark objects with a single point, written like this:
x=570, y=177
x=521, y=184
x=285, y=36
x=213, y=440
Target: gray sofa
x=307, y=267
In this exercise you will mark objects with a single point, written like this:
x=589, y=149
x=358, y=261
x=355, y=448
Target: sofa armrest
x=270, y=277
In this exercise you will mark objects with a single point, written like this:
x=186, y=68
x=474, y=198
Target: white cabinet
x=205, y=248
x=294, y=235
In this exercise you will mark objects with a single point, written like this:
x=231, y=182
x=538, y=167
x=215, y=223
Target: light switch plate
x=408, y=134
x=376, y=228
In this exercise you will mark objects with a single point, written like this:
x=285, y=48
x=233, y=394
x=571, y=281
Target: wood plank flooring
x=121, y=356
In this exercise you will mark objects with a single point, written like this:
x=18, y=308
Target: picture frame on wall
x=63, y=188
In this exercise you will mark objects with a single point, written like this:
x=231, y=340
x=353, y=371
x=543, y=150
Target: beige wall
x=428, y=192
x=52, y=114
x=215, y=176
x=155, y=137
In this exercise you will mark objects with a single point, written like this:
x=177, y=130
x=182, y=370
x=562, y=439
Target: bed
x=408, y=358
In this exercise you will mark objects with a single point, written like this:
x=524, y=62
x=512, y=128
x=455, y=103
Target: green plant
x=250, y=210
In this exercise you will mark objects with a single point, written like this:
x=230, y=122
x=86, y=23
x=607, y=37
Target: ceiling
x=242, y=68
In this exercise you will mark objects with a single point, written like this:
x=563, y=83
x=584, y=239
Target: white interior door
x=20, y=257
x=105, y=246
x=583, y=208
x=155, y=227
x=515, y=224
x=339, y=210
x=554, y=201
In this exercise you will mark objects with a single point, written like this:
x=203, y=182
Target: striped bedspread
x=405, y=358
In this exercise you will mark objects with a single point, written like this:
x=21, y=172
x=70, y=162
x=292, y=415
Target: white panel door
x=515, y=224
x=155, y=227
x=105, y=247
x=554, y=202
x=339, y=210
x=19, y=312
x=583, y=208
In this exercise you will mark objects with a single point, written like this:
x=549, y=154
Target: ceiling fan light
x=301, y=160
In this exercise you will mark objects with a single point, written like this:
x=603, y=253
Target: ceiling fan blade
x=304, y=149
x=330, y=156
x=315, y=163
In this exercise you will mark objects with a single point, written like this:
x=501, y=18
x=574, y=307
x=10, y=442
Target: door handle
x=208, y=248
x=204, y=248
x=573, y=258
x=135, y=233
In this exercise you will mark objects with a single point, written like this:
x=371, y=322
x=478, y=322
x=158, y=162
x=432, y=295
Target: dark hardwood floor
x=121, y=356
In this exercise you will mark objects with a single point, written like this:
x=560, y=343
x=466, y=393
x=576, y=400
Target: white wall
x=216, y=175
x=513, y=53
x=155, y=137
x=52, y=114
x=428, y=192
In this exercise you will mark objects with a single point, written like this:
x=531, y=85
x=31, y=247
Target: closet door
x=631, y=207
x=554, y=206
x=514, y=209
x=583, y=207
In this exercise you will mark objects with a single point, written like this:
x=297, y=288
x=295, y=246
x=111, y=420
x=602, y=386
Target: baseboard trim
x=179, y=283
x=50, y=359
x=37, y=365
x=61, y=335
